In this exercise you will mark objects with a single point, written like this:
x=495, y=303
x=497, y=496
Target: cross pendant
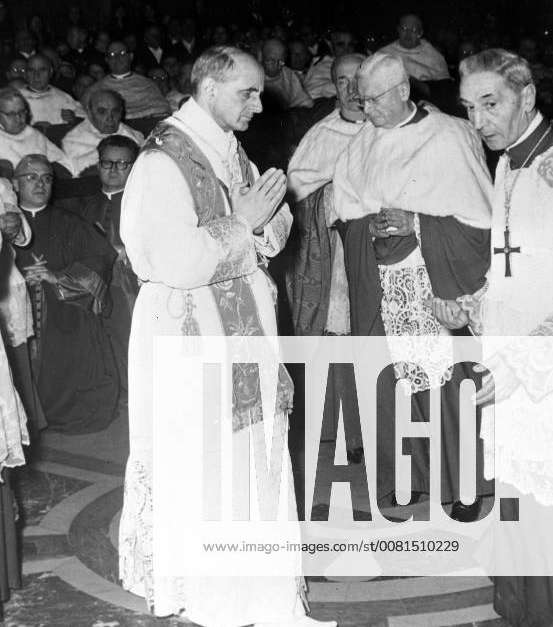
x=507, y=250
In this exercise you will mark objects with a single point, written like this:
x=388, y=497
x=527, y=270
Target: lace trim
x=405, y=317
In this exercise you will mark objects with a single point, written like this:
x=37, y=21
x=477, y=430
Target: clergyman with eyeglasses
x=415, y=183
x=117, y=154
x=67, y=269
x=18, y=138
x=141, y=95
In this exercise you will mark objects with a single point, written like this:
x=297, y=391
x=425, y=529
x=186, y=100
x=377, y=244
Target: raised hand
x=258, y=203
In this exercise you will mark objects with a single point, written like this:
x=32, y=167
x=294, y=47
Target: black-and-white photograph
x=276, y=307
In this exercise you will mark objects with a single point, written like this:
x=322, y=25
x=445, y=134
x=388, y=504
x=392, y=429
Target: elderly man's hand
x=10, y=225
x=448, y=312
x=399, y=222
x=258, y=203
x=378, y=226
x=68, y=116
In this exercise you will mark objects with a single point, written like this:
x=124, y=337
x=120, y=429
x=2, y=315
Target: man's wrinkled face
x=383, y=99
x=410, y=31
x=105, y=113
x=39, y=72
x=118, y=58
x=233, y=103
x=13, y=115
x=346, y=86
x=115, y=166
x=273, y=58
x=34, y=185
x=498, y=113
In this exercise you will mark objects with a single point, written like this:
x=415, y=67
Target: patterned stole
x=209, y=205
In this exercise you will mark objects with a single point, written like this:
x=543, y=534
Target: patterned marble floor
x=69, y=507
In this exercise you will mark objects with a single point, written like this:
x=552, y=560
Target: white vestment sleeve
x=161, y=234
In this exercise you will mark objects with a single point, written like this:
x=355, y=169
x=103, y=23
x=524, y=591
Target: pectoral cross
x=507, y=250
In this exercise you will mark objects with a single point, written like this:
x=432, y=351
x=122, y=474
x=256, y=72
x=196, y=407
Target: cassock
x=448, y=255
x=519, y=302
x=199, y=267
x=13, y=435
x=81, y=143
x=72, y=358
x=103, y=211
x=422, y=62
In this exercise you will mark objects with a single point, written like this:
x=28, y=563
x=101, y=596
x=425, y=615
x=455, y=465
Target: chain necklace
x=507, y=249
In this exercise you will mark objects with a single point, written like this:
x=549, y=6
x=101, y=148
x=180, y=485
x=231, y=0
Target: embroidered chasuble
x=202, y=273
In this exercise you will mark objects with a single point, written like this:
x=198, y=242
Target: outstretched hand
x=258, y=203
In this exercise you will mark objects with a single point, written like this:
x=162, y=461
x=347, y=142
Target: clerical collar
x=36, y=91
x=343, y=117
x=416, y=115
x=110, y=195
x=519, y=151
x=33, y=210
x=120, y=76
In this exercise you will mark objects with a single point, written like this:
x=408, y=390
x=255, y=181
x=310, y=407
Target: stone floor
x=70, y=498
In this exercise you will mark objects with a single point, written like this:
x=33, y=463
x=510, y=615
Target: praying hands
x=258, y=204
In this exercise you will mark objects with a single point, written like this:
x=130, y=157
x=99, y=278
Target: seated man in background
x=117, y=155
x=18, y=139
x=281, y=83
x=141, y=95
x=104, y=112
x=422, y=61
x=318, y=81
x=67, y=268
x=48, y=104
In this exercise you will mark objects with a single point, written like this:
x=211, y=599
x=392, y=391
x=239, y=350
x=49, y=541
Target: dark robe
x=457, y=257
x=10, y=577
x=104, y=214
x=72, y=358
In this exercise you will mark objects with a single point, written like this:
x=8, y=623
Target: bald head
x=383, y=86
x=344, y=70
x=32, y=163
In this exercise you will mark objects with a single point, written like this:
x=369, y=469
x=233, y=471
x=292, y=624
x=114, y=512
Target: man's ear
x=528, y=96
x=209, y=88
x=15, y=185
x=405, y=90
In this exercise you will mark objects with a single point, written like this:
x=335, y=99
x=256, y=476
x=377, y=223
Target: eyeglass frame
x=33, y=177
x=114, y=55
x=372, y=100
x=115, y=164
